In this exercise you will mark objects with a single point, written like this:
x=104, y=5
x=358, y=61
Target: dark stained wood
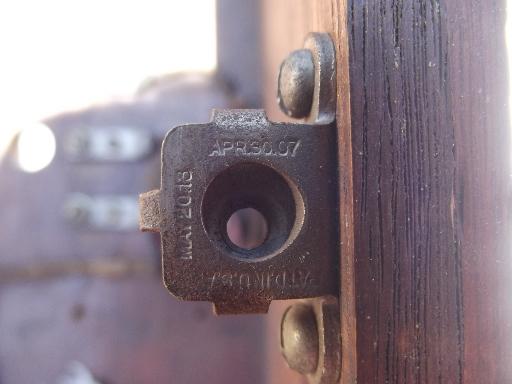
x=431, y=181
x=425, y=166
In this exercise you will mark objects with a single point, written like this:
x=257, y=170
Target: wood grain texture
x=425, y=166
x=431, y=185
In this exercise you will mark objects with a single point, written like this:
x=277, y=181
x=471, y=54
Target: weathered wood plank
x=425, y=166
x=431, y=187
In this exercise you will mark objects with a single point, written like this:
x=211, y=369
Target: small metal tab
x=149, y=219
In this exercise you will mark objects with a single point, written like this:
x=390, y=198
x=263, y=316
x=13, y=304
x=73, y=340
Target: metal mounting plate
x=240, y=159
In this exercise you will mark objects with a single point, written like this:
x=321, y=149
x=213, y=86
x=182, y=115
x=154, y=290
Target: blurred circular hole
x=35, y=147
x=247, y=228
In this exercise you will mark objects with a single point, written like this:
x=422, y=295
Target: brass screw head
x=299, y=338
x=296, y=84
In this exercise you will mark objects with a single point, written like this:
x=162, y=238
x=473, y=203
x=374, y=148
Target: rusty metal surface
x=240, y=159
x=149, y=211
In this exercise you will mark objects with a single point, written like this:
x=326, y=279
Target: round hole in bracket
x=246, y=188
x=247, y=228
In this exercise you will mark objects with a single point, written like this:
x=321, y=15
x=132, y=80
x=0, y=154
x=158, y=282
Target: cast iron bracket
x=287, y=172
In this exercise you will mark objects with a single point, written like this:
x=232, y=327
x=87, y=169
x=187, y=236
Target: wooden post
x=425, y=160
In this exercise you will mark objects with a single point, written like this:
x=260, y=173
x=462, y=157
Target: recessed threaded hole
x=247, y=228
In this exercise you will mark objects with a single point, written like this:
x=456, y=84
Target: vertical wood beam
x=431, y=145
x=425, y=171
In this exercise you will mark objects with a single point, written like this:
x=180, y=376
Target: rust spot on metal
x=149, y=203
